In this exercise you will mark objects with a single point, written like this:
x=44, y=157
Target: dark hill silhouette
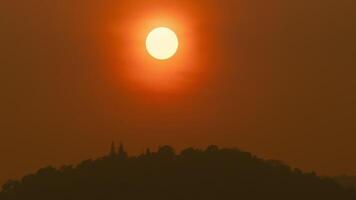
x=193, y=174
x=347, y=181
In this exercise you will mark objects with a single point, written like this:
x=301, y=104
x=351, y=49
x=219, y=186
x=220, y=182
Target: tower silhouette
x=121, y=152
x=112, y=150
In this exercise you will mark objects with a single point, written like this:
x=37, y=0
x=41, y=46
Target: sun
x=162, y=43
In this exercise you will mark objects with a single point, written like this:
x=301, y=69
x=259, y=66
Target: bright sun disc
x=162, y=43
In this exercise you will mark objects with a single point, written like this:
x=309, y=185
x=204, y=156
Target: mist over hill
x=196, y=174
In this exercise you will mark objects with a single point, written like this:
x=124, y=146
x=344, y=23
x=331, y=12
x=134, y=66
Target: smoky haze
x=283, y=84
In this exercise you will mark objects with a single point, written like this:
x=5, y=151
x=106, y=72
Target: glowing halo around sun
x=162, y=43
x=146, y=62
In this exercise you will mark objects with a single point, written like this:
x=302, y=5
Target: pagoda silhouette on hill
x=119, y=152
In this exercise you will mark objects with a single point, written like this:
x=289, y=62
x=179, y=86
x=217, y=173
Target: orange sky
x=276, y=78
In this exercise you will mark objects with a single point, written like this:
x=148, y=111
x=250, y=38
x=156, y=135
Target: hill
x=163, y=175
x=347, y=181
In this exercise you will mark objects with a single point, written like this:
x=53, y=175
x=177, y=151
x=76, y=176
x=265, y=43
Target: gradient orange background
x=276, y=78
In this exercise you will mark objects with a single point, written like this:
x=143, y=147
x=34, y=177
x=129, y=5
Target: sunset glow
x=162, y=43
x=158, y=52
x=178, y=99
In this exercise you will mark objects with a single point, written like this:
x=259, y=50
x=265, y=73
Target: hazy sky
x=277, y=78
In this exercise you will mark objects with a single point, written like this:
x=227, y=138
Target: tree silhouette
x=208, y=174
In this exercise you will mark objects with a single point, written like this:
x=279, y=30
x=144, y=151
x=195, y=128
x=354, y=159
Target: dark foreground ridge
x=215, y=174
